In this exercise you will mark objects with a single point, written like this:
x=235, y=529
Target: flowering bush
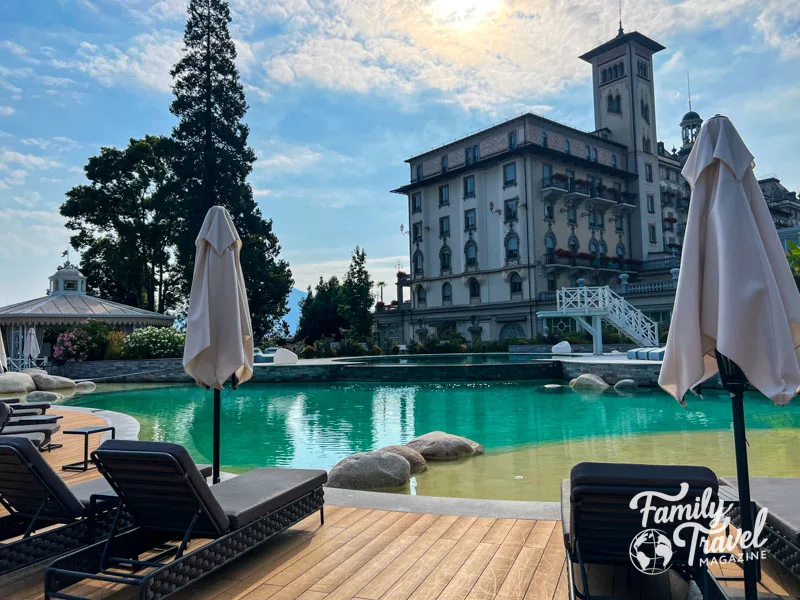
x=74, y=345
x=154, y=342
x=115, y=345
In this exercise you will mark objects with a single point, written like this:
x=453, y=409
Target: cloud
x=146, y=61
x=27, y=161
x=6, y=111
x=19, y=51
x=290, y=159
x=31, y=232
x=28, y=199
x=57, y=82
x=10, y=87
x=59, y=143
x=779, y=22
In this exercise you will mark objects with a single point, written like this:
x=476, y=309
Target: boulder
x=589, y=381
x=414, y=458
x=34, y=371
x=625, y=385
x=284, y=357
x=16, y=383
x=43, y=397
x=438, y=445
x=85, y=387
x=370, y=471
x=49, y=383
x=561, y=348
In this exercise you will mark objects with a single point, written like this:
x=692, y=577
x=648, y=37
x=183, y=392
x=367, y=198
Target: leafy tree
x=793, y=256
x=357, y=301
x=319, y=312
x=215, y=161
x=123, y=223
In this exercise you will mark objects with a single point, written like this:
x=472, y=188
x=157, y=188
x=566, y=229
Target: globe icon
x=651, y=552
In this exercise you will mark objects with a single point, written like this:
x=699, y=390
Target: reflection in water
x=315, y=426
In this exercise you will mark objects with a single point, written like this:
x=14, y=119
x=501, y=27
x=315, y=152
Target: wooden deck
x=380, y=555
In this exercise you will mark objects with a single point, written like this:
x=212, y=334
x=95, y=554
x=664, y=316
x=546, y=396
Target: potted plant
x=560, y=177
x=564, y=253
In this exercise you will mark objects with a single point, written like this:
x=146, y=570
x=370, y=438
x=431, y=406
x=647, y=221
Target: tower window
x=444, y=227
x=469, y=186
x=512, y=140
x=447, y=293
x=419, y=172
x=444, y=195
x=618, y=105
x=444, y=259
x=510, y=174
x=566, y=146
x=445, y=163
x=651, y=228
x=515, y=283
x=594, y=154
x=416, y=202
x=474, y=290
x=648, y=172
x=614, y=160
x=422, y=297
x=512, y=247
x=419, y=263
x=469, y=220
x=544, y=139
x=471, y=254
x=651, y=203
x=588, y=153
x=611, y=105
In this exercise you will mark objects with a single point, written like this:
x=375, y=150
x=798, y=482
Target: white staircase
x=599, y=303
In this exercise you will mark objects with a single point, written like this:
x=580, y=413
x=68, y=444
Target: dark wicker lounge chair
x=7, y=428
x=599, y=525
x=169, y=499
x=27, y=408
x=46, y=517
x=781, y=497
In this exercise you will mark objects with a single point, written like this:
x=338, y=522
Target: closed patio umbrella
x=737, y=308
x=30, y=349
x=3, y=357
x=219, y=336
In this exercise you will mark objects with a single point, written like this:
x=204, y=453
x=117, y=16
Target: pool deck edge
x=438, y=505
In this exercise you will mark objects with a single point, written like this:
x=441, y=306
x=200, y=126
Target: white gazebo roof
x=69, y=303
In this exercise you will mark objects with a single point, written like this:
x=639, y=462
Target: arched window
x=447, y=293
x=471, y=254
x=512, y=246
x=611, y=105
x=614, y=160
x=515, y=284
x=604, y=75
x=474, y=290
x=621, y=69
x=615, y=71
x=618, y=104
x=594, y=154
x=445, y=263
x=419, y=172
x=549, y=242
x=422, y=297
x=574, y=244
x=419, y=263
x=621, y=250
x=567, y=148
x=544, y=139
x=602, y=249
x=588, y=153
x=445, y=163
x=594, y=247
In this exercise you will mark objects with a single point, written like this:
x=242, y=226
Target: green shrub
x=394, y=349
x=154, y=342
x=577, y=337
x=323, y=348
x=308, y=352
x=115, y=344
x=375, y=350
x=349, y=347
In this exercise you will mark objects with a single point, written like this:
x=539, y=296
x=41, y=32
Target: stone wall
x=547, y=348
x=133, y=371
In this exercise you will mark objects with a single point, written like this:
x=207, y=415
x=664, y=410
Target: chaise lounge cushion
x=130, y=463
x=20, y=465
x=86, y=489
x=37, y=439
x=646, y=477
x=254, y=494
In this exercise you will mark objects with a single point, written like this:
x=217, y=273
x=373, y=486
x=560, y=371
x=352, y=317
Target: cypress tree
x=215, y=161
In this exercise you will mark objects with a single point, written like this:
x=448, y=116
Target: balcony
x=583, y=260
x=646, y=287
x=553, y=188
x=661, y=264
x=381, y=308
x=602, y=198
x=578, y=190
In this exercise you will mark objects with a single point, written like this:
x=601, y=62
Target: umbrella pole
x=215, y=465
x=735, y=381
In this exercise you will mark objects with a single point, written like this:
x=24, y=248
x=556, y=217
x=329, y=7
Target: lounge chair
x=161, y=487
x=6, y=428
x=46, y=517
x=781, y=497
x=27, y=408
x=599, y=525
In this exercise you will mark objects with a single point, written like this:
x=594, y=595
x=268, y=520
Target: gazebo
x=67, y=303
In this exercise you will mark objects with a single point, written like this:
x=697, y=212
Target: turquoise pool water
x=315, y=426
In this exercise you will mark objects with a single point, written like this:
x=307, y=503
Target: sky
x=341, y=92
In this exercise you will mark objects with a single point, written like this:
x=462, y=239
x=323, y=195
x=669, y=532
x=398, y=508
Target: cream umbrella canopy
x=3, y=357
x=737, y=307
x=30, y=349
x=219, y=336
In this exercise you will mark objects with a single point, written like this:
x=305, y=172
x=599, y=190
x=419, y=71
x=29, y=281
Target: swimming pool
x=532, y=436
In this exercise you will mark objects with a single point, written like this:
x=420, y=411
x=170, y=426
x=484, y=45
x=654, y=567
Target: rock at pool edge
x=370, y=471
x=438, y=445
x=414, y=458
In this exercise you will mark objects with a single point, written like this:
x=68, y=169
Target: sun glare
x=465, y=14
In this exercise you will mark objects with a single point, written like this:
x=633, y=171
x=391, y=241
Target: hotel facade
x=501, y=219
